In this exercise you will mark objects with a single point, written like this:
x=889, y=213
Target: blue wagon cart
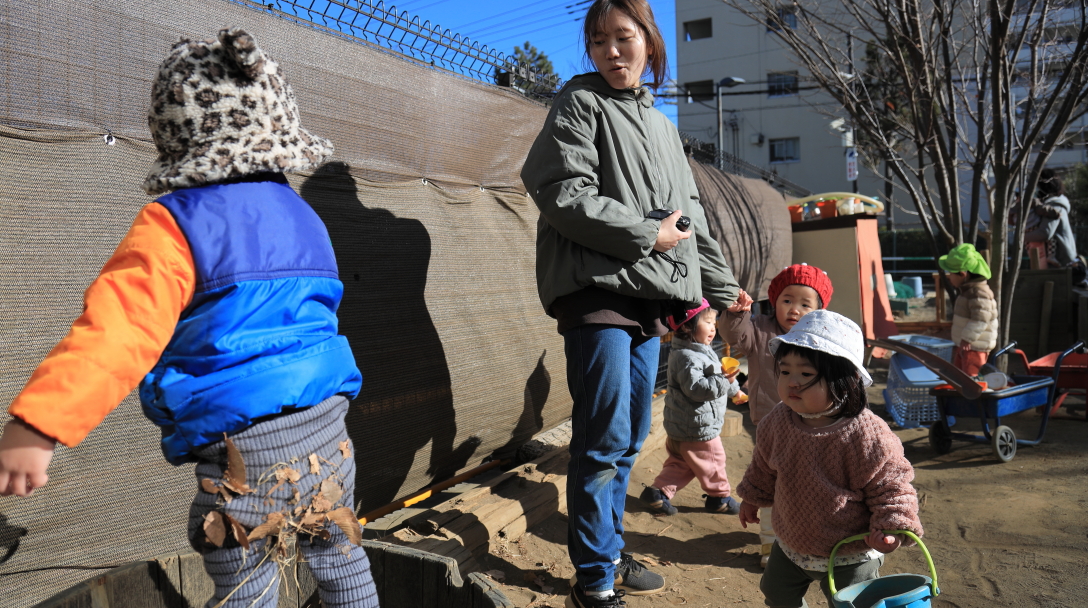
x=1029, y=392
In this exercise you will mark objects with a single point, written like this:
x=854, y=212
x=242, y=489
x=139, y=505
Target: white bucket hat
x=831, y=333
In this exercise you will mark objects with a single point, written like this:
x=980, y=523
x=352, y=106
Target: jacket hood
x=596, y=83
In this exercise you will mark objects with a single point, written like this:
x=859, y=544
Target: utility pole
x=850, y=57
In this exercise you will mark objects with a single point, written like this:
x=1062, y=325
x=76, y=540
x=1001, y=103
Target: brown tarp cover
x=751, y=222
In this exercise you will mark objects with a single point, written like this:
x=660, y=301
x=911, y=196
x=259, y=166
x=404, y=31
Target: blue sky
x=550, y=25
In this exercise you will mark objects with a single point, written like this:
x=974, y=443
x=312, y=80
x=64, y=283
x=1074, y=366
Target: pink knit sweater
x=829, y=483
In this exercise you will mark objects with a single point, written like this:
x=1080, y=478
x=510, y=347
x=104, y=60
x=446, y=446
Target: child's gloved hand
x=743, y=303
x=749, y=514
x=885, y=543
x=24, y=457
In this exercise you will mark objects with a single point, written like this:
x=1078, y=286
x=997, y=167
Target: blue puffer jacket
x=261, y=332
x=698, y=392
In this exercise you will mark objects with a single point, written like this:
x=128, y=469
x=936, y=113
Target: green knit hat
x=965, y=258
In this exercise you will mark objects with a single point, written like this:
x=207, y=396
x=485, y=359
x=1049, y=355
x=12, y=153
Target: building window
x=702, y=90
x=786, y=150
x=695, y=30
x=781, y=83
x=784, y=16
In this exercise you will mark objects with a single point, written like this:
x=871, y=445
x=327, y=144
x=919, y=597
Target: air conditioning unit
x=757, y=140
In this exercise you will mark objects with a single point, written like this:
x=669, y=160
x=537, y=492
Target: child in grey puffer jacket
x=695, y=405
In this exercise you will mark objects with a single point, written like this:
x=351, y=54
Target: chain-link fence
x=410, y=37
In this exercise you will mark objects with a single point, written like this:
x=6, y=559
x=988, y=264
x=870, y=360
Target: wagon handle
x=907, y=533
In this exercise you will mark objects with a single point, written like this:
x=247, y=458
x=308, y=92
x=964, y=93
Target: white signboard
x=851, y=164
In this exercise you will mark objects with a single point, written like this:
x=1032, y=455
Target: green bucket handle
x=907, y=533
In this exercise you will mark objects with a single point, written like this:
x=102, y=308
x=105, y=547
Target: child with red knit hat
x=829, y=465
x=796, y=291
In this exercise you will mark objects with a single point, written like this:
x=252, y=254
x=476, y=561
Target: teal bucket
x=893, y=591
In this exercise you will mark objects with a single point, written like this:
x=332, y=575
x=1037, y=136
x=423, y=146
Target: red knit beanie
x=802, y=274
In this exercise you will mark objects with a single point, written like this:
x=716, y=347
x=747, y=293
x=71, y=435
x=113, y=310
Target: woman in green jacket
x=610, y=275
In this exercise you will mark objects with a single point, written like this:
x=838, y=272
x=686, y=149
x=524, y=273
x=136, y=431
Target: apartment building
x=777, y=119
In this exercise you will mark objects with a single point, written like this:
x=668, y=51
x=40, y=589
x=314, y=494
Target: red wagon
x=1072, y=377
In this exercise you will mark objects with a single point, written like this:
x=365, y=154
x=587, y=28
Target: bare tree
x=965, y=96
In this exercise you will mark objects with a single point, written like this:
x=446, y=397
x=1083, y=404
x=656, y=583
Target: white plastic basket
x=909, y=402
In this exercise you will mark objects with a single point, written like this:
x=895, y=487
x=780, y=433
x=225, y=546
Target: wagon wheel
x=940, y=437
x=1004, y=443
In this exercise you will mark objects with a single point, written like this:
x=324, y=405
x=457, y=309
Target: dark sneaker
x=722, y=504
x=634, y=578
x=579, y=599
x=657, y=501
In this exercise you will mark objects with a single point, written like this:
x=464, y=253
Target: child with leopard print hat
x=220, y=304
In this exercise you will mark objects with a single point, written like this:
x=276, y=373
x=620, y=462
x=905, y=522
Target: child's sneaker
x=579, y=599
x=722, y=504
x=657, y=501
x=635, y=578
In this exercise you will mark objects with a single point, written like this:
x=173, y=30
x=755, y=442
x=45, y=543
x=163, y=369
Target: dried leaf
x=225, y=494
x=311, y=519
x=214, y=529
x=320, y=504
x=345, y=518
x=288, y=474
x=294, y=499
x=345, y=448
x=271, y=526
x=298, y=510
x=331, y=490
x=235, y=477
x=209, y=486
x=274, y=488
x=238, y=530
x=315, y=467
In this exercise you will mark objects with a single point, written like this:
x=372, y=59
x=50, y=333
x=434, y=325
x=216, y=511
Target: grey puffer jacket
x=698, y=393
x=603, y=160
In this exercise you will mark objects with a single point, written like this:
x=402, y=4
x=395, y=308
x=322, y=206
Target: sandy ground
x=1012, y=534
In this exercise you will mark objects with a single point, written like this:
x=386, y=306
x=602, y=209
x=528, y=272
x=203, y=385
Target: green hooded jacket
x=604, y=159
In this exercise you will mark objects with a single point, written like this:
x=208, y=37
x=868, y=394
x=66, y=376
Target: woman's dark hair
x=843, y=380
x=1050, y=184
x=640, y=12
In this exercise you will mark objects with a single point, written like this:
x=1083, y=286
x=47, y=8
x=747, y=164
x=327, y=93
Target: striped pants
x=253, y=578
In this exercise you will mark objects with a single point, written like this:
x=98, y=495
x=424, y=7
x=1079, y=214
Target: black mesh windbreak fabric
x=751, y=222
x=434, y=237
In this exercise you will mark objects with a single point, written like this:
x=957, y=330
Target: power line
x=523, y=33
x=466, y=27
x=526, y=21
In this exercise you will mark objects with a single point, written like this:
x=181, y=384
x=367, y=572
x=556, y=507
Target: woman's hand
x=24, y=457
x=885, y=543
x=749, y=514
x=743, y=303
x=669, y=236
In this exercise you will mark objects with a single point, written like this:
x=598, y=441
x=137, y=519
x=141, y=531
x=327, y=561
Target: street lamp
x=724, y=83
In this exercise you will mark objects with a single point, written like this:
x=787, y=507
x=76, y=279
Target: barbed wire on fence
x=708, y=155
x=421, y=41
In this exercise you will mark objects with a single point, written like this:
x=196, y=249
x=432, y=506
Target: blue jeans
x=610, y=373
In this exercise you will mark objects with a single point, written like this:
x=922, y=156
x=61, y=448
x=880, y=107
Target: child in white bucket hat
x=829, y=466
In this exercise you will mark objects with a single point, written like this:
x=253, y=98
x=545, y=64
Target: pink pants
x=702, y=460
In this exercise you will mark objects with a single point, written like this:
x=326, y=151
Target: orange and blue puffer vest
x=260, y=334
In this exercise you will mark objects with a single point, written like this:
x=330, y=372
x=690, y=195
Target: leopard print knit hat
x=221, y=110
